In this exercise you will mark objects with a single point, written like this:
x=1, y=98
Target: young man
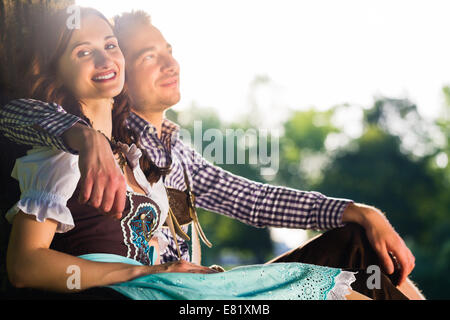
x=153, y=85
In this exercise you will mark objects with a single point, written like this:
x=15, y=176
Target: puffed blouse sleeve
x=47, y=178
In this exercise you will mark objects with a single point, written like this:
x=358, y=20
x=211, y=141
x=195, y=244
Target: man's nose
x=170, y=64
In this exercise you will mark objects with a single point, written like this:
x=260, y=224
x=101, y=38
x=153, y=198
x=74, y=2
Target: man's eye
x=149, y=57
x=83, y=53
x=111, y=46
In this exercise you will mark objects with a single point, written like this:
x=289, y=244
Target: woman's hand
x=181, y=266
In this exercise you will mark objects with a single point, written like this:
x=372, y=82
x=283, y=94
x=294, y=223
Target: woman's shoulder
x=47, y=179
x=45, y=164
x=48, y=156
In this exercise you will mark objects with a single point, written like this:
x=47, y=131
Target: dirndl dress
x=277, y=281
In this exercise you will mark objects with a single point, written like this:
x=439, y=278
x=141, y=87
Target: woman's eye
x=83, y=53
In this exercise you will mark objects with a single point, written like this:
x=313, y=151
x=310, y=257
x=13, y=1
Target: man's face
x=152, y=72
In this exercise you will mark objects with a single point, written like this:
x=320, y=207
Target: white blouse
x=48, y=178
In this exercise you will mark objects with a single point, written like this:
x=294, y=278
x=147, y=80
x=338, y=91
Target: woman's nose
x=102, y=60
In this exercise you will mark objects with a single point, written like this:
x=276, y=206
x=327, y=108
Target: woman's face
x=92, y=66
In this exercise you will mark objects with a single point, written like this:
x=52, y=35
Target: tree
x=302, y=147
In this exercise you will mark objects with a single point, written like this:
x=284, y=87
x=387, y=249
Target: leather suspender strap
x=197, y=231
x=193, y=212
x=172, y=231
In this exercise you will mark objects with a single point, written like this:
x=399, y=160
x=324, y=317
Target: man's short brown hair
x=127, y=22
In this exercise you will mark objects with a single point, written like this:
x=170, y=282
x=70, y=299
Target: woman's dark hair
x=121, y=132
x=50, y=41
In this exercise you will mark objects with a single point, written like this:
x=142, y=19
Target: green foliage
x=304, y=137
x=307, y=130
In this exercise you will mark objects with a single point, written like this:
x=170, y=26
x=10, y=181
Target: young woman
x=54, y=239
x=82, y=69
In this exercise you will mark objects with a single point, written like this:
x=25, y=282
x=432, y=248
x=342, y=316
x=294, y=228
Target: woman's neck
x=99, y=112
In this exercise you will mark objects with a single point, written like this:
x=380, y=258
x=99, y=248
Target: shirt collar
x=169, y=129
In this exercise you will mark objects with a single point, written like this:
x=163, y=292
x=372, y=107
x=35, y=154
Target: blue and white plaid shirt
x=32, y=122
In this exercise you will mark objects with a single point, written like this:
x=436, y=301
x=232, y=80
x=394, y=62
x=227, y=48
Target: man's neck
x=155, y=118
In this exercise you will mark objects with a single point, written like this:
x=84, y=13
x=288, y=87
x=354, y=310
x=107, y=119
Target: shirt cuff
x=330, y=211
x=58, y=123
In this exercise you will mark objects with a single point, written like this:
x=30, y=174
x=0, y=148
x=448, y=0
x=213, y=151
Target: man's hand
x=383, y=237
x=102, y=184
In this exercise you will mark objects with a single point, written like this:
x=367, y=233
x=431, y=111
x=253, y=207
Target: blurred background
x=358, y=92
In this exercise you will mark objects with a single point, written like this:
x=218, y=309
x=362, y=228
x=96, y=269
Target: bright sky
x=317, y=53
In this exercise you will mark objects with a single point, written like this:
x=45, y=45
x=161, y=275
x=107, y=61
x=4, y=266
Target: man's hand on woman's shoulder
x=102, y=184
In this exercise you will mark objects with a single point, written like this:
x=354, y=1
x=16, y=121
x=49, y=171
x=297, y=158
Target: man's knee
x=345, y=247
x=351, y=233
x=377, y=286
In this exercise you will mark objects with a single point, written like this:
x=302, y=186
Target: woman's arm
x=32, y=264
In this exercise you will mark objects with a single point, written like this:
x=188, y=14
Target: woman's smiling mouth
x=105, y=76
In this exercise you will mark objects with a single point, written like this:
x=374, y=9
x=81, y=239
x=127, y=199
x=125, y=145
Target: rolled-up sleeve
x=262, y=205
x=36, y=123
